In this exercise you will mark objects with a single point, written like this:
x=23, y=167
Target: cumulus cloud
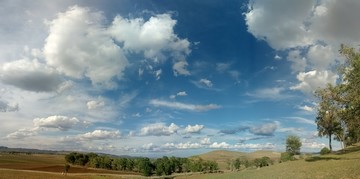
x=311, y=32
x=179, y=68
x=58, y=122
x=30, y=75
x=312, y=80
x=264, y=129
x=159, y=129
x=81, y=45
x=184, y=106
x=100, y=135
x=181, y=93
x=22, y=133
x=206, y=82
x=280, y=22
x=187, y=145
x=152, y=37
x=6, y=107
x=205, y=141
x=194, y=129
x=78, y=45
x=222, y=145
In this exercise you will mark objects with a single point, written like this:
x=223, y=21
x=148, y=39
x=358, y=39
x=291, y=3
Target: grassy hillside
x=343, y=164
x=223, y=156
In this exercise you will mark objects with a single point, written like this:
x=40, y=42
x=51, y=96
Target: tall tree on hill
x=328, y=116
x=339, y=105
x=293, y=145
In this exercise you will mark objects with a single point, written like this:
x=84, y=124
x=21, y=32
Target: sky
x=153, y=78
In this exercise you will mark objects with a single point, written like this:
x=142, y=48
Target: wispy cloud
x=184, y=106
x=274, y=94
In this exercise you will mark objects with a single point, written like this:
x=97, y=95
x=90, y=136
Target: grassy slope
x=345, y=164
x=222, y=156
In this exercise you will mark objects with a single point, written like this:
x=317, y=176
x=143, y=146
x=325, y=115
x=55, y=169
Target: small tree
x=66, y=168
x=293, y=145
x=237, y=163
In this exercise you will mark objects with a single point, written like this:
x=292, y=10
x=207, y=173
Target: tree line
x=145, y=166
x=258, y=163
x=338, y=113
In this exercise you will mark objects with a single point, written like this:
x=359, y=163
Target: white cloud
x=276, y=94
x=321, y=57
x=100, y=135
x=184, y=106
x=306, y=108
x=264, y=130
x=277, y=57
x=187, y=145
x=95, y=104
x=181, y=93
x=194, y=129
x=157, y=74
x=266, y=146
x=179, y=68
x=311, y=31
x=152, y=36
x=280, y=22
x=30, y=75
x=222, y=145
x=159, y=129
x=298, y=61
x=205, y=141
x=206, y=82
x=22, y=133
x=59, y=122
x=78, y=45
x=312, y=80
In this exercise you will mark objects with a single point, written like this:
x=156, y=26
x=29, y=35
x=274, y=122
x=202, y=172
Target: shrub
x=286, y=156
x=324, y=151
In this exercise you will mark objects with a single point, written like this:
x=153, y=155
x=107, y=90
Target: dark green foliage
x=237, y=163
x=285, y=156
x=145, y=166
x=262, y=162
x=324, y=151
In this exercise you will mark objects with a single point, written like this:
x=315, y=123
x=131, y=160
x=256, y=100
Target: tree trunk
x=330, y=143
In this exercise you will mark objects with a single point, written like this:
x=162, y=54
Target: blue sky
x=155, y=78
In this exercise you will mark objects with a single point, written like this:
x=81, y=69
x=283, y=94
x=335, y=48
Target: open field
x=345, y=164
x=46, y=164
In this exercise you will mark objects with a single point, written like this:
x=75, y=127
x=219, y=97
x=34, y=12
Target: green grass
x=345, y=164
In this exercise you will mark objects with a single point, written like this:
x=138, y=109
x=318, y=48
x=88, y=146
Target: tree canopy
x=338, y=112
x=293, y=145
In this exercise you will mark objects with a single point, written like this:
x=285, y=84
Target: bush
x=286, y=156
x=324, y=151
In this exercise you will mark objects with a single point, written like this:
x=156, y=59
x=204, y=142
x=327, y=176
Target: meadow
x=341, y=164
